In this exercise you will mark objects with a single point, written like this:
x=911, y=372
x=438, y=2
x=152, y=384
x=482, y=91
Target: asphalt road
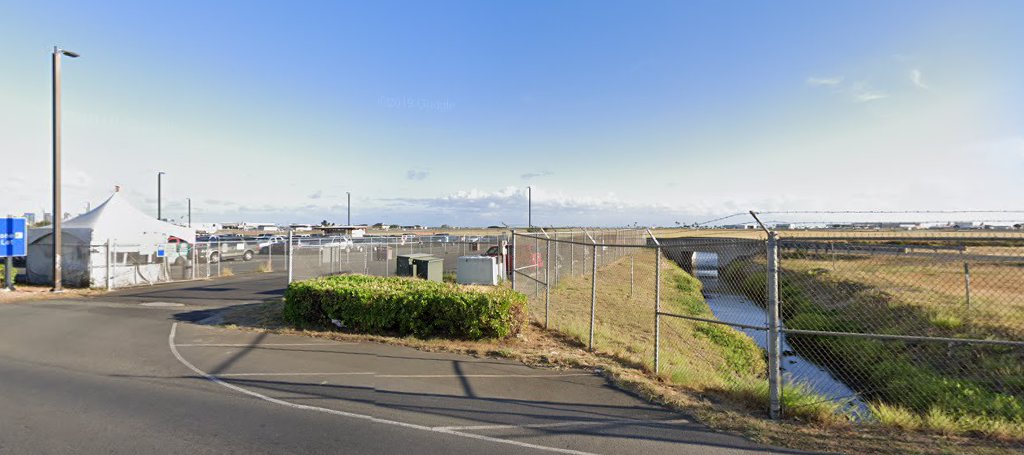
x=131, y=372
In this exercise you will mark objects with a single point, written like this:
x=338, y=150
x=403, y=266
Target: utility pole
x=529, y=206
x=57, y=218
x=189, y=211
x=159, y=185
x=349, y=195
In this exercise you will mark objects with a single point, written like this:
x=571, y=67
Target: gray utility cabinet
x=405, y=264
x=429, y=268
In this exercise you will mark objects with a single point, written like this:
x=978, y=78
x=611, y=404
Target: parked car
x=533, y=258
x=177, y=251
x=227, y=247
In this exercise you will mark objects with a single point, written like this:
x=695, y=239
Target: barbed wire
x=873, y=212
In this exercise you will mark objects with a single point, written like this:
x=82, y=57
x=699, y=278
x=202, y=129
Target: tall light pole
x=349, y=195
x=529, y=206
x=57, y=218
x=189, y=211
x=159, y=184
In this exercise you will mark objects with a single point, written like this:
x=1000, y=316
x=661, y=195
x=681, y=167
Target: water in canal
x=730, y=307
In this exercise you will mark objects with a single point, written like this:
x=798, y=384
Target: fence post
x=536, y=267
x=289, y=252
x=556, y=257
x=774, y=356
x=593, y=297
x=967, y=284
x=512, y=273
x=547, y=282
x=572, y=253
x=108, y=265
x=657, y=310
x=631, y=275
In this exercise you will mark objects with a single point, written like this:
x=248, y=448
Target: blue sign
x=160, y=252
x=13, y=237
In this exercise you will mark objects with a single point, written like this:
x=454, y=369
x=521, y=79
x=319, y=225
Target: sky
x=444, y=112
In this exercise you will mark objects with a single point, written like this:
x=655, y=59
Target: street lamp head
x=72, y=54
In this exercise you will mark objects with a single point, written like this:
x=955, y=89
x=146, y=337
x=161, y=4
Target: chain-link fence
x=862, y=326
x=115, y=265
x=379, y=256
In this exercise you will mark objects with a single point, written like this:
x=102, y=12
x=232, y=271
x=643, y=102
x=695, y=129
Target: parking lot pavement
x=489, y=399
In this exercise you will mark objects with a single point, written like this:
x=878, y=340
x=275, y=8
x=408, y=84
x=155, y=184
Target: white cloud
x=915, y=77
x=414, y=174
x=826, y=81
x=863, y=92
x=531, y=175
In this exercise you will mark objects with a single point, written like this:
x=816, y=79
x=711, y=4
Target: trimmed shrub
x=405, y=306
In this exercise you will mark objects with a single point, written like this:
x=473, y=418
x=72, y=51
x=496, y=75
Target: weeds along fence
x=902, y=326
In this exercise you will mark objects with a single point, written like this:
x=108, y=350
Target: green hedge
x=405, y=306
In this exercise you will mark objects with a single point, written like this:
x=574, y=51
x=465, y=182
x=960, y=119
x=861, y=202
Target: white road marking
x=246, y=345
x=162, y=304
x=294, y=374
x=559, y=424
x=403, y=376
x=481, y=375
x=216, y=380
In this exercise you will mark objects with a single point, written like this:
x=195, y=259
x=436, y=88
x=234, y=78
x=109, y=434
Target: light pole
x=57, y=218
x=189, y=211
x=159, y=184
x=529, y=206
x=349, y=195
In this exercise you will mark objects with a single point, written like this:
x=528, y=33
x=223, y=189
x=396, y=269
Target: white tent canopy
x=114, y=221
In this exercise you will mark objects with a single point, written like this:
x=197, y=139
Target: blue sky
x=443, y=112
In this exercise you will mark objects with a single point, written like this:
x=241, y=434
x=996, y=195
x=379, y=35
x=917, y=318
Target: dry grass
x=25, y=292
x=936, y=288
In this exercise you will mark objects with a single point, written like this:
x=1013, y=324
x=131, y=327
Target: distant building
x=207, y=228
x=47, y=217
x=741, y=226
x=257, y=226
x=30, y=218
x=302, y=227
x=354, y=232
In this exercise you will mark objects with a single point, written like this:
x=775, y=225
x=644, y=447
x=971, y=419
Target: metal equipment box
x=405, y=264
x=478, y=270
x=428, y=268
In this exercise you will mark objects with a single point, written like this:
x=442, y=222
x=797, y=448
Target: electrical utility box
x=405, y=264
x=478, y=270
x=428, y=268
